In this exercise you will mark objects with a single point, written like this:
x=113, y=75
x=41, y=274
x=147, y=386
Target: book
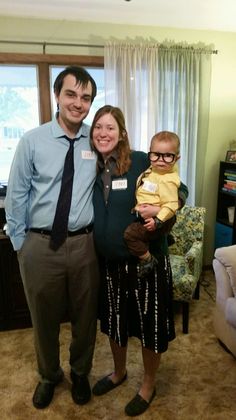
x=229, y=190
x=230, y=187
x=230, y=181
x=230, y=173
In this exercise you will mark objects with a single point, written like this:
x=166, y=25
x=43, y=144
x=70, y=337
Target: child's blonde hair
x=167, y=136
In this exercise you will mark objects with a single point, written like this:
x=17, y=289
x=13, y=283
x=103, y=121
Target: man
x=62, y=276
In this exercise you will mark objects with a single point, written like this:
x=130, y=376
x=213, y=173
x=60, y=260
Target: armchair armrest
x=193, y=259
x=223, y=286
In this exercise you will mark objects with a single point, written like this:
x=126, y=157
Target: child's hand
x=150, y=224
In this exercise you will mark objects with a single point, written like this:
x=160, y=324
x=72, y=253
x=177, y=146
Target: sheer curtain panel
x=163, y=87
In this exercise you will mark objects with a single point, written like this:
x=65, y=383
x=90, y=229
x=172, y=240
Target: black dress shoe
x=80, y=391
x=138, y=405
x=105, y=385
x=43, y=394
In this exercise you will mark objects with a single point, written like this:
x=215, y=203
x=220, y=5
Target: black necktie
x=60, y=223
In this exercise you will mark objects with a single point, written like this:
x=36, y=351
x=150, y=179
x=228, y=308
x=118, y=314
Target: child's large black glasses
x=166, y=157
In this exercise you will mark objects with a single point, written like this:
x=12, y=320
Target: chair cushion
x=227, y=256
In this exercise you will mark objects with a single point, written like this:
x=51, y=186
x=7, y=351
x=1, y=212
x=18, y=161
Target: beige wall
x=222, y=123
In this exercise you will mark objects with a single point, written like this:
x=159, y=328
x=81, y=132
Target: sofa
x=224, y=265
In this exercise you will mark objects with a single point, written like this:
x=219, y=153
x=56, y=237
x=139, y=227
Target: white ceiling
x=219, y=15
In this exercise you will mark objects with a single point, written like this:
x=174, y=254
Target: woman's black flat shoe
x=138, y=405
x=105, y=385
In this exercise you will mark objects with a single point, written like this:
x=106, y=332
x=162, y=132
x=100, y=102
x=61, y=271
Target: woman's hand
x=148, y=210
x=150, y=224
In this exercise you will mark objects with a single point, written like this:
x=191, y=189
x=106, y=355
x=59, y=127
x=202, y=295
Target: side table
x=14, y=312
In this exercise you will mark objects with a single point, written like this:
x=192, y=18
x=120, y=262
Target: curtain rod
x=62, y=44
x=170, y=47
x=45, y=44
x=188, y=48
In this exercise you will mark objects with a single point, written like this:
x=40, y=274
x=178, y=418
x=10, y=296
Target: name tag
x=88, y=154
x=149, y=186
x=119, y=184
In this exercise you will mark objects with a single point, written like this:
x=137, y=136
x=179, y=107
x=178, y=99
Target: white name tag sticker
x=119, y=184
x=88, y=154
x=149, y=186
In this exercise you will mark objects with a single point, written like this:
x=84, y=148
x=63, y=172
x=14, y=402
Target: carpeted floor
x=196, y=379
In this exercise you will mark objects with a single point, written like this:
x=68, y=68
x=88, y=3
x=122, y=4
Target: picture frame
x=230, y=156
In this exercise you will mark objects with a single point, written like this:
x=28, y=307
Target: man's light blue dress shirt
x=35, y=181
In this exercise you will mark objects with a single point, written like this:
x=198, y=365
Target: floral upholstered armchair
x=186, y=256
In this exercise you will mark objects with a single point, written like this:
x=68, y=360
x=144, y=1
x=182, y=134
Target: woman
x=130, y=306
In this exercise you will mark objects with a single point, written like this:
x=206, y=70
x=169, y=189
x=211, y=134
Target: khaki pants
x=56, y=281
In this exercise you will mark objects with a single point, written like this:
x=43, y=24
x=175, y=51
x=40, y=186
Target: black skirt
x=129, y=306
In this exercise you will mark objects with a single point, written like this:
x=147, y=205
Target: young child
x=157, y=186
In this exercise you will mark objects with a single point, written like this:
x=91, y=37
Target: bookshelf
x=225, y=229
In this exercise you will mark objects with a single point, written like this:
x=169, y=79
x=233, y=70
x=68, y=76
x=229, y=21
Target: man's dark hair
x=82, y=78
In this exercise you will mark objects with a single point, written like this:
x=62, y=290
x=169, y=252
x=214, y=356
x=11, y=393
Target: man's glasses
x=166, y=157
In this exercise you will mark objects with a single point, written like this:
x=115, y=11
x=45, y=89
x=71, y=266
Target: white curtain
x=163, y=88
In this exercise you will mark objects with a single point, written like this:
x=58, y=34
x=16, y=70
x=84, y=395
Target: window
x=26, y=96
x=18, y=110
